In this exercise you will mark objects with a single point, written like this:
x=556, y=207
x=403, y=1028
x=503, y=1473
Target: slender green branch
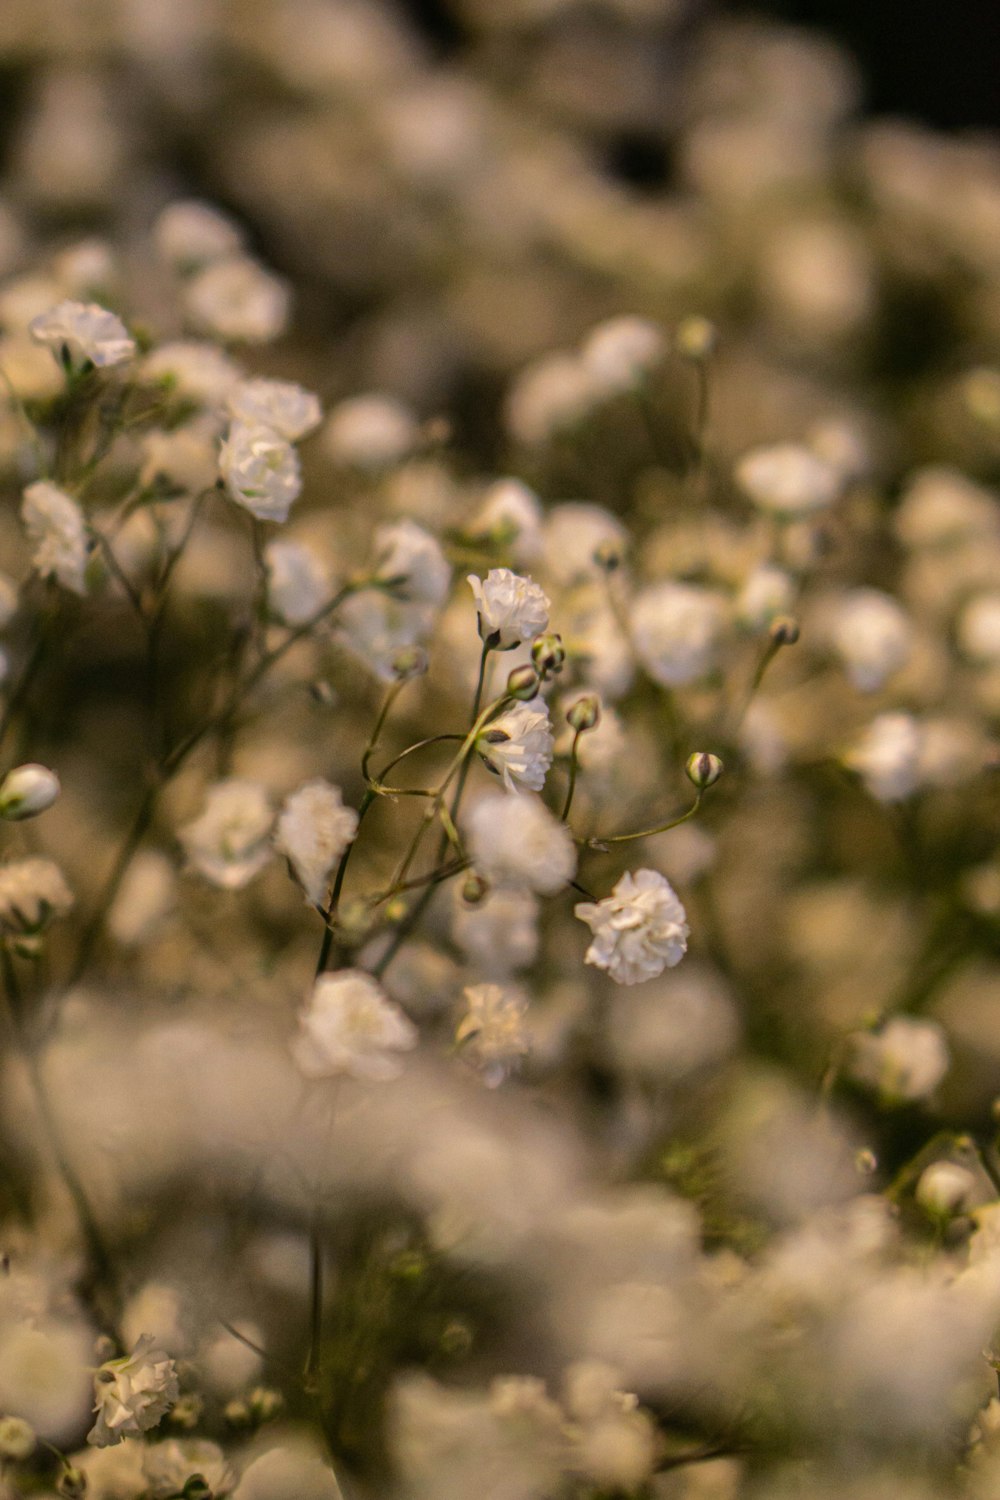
x=600, y=843
x=574, y=765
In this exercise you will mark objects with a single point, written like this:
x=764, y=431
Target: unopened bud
x=548, y=653
x=265, y=1403
x=410, y=661
x=17, y=1439
x=696, y=338
x=703, y=769
x=72, y=1483
x=474, y=889
x=27, y=791
x=196, y=1489
x=523, y=684
x=322, y=693
x=585, y=713
x=784, y=630
x=608, y=555
x=865, y=1162
x=396, y=909
x=945, y=1188
x=104, y=1348
x=186, y=1411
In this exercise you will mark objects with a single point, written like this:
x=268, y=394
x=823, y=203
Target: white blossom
x=788, y=480
x=904, y=1060
x=888, y=756
x=132, y=1394
x=190, y=233
x=17, y=1439
x=195, y=369
x=167, y=1466
x=370, y=432
x=516, y=841
x=27, y=791
x=33, y=892
x=57, y=532
x=499, y=933
x=549, y=396
x=230, y=840
x=576, y=536
x=978, y=629
x=492, y=1033
x=639, y=930
x=511, y=608
x=413, y=561
x=87, y=331
x=298, y=584
x=873, y=637
x=350, y=1026
x=314, y=829
x=261, y=471
x=376, y=628
x=185, y=458
x=511, y=514
x=517, y=745
x=677, y=628
x=945, y=1187
x=621, y=352
x=288, y=409
x=766, y=592
x=236, y=299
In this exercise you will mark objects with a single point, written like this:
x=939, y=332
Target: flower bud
x=945, y=1188
x=784, y=630
x=265, y=1404
x=410, y=661
x=703, y=769
x=322, y=693
x=104, y=1348
x=196, y=1489
x=696, y=338
x=522, y=684
x=585, y=713
x=27, y=791
x=608, y=555
x=72, y=1483
x=474, y=889
x=17, y=1439
x=548, y=653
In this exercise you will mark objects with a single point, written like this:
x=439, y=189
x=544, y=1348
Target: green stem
x=643, y=833
x=574, y=765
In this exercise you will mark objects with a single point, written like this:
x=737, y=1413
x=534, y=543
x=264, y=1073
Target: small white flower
x=189, y=233
x=195, y=369
x=511, y=515
x=167, y=1466
x=298, y=585
x=905, y=1060
x=375, y=629
x=27, y=791
x=978, y=629
x=261, y=471
x=873, y=637
x=32, y=893
x=767, y=592
x=236, y=299
x=132, y=1394
x=87, y=331
x=515, y=841
x=492, y=1033
x=888, y=756
x=788, y=479
x=575, y=536
x=17, y=1439
x=58, y=534
x=184, y=458
x=288, y=409
x=412, y=560
x=550, y=395
x=230, y=841
x=517, y=745
x=500, y=933
x=621, y=352
x=350, y=1026
x=677, y=628
x=511, y=608
x=370, y=432
x=639, y=930
x=314, y=829
x=945, y=1188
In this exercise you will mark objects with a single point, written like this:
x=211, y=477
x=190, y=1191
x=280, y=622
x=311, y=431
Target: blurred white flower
x=288, y=409
x=86, y=331
x=873, y=636
x=57, y=532
x=230, y=840
x=261, y=471
x=27, y=791
x=146, y=896
x=414, y=562
x=888, y=756
x=511, y=515
x=517, y=745
x=577, y=537
x=615, y=1442
x=904, y=1060
x=350, y=1026
x=314, y=828
x=978, y=629
x=515, y=841
x=492, y=1033
x=287, y=1472
x=511, y=608
x=788, y=480
x=298, y=584
x=620, y=353
x=500, y=933
x=677, y=629
x=169, y=1465
x=945, y=1187
x=17, y=1439
x=370, y=432
x=237, y=300
x=639, y=930
x=32, y=893
x=198, y=370
x=766, y=592
x=132, y=1394
x=190, y=233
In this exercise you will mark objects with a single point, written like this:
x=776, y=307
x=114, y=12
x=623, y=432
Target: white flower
x=288, y=1472
x=412, y=560
x=32, y=893
x=195, y=369
x=904, y=1061
x=492, y=1033
x=511, y=515
x=370, y=432
x=237, y=299
x=788, y=479
x=676, y=628
x=575, y=536
x=185, y=458
x=132, y=1394
x=511, y=608
x=17, y=1439
x=517, y=745
x=298, y=585
x=261, y=471
x=288, y=409
x=621, y=352
x=376, y=629
x=146, y=897
x=500, y=933
x=978, y=629
x=229, y=842
x=189, y=233
x=515, y=841
x=350, y=1026
x=873, y=636
x=550, y=395
x=639, y=930
x=87, y=331
x=888, y=756
x=945, y=1187
x=58, y=534
x=167, y=1466
x=616, y=1442
x=314, y=829
x=767, y=591
x=27, y=791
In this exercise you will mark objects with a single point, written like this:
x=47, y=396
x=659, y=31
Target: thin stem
x=379, y=725
x=434, y=739
x=330, y=913
x=315, y=1304
x=574, y=765
x=643, y=833
x=124, y=857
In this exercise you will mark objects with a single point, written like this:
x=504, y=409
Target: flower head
x=873, y=637
x=511, y=608
x=261, y=470
x=676, y=628
x=32, y=893
x=133, y=1393
x=27, y=791
x=288, y=409
x=58, y=533
x=88, y=332
x=788, y=479
x=492, y=1033
x=905, y=1060
x=314, y=829
x=639, y=930
x=517, y=745
x=414, y=562
x=515, y=841
x=350, y=1026
x=888, y=756
x=229, y=842
x=235, y=298
x=297, y=582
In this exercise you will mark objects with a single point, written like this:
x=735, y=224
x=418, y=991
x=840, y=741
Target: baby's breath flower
x=297, y=582
x=133, y=1394
x=639, y=930
x=27, y=791
x=888, y=756
x=873, y=637
x=945, y=1188
x=350, y=1026
x=314, y=829
x=511, y=514
x=620, y=353
x=169, y=1465
x=492, y=1033
x=58, y=534
x=515, y=841
x=33, y=892
x=229, y=842
x=517, y=745
x=237, y=300
x=766, y=593
x=904, y=1060
x=511, y=608
x=414, y=562
x=978, y=629
x=788, y=480
x=86, y=331
x=370, y=432
x=197, y=370
x=261, y=471
x=17, y=1439
x=288, y=409
x=580, y=540
x=190, y=233
x=677, y=629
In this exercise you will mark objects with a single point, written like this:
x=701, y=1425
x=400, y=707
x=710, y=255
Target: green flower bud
x=474, y=889
x=27, y=791
x=703, y=769
x=548, y=653
x=784, y=630
x=72, y=1483
x=585, y=713
x=17, y=1438
x=522, y=684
